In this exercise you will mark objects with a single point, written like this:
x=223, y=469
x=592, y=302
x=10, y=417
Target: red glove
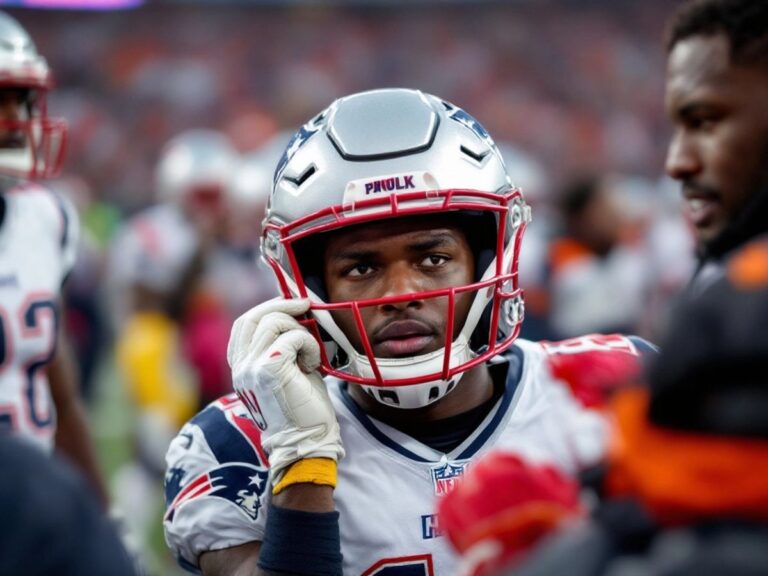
x=595, y=365
x=502, y=508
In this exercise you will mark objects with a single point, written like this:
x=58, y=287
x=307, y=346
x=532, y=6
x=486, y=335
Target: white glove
x=274, y=361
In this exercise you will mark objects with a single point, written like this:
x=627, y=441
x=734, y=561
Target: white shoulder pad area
x=553, y=427
x=58, y=217
x=153, y=249
x=216, y=483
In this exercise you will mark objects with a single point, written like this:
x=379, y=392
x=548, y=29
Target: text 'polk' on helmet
x=399, y=153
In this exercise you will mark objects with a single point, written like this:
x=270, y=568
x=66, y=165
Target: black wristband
x=298, y=542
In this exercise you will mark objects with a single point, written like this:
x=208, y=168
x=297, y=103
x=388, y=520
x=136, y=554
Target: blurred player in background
x=598, y=273
x=171, y=335
x=39, y=398
x=717, y=87
x=158, y=263
x=393, y=224
x=184, y=269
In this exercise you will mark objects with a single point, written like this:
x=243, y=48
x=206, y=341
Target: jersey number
x=420, y=565
x=30, y=319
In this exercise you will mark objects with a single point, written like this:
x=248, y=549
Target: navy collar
x=510, y=364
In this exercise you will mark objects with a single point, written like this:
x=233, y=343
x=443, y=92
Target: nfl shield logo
x=446, y=476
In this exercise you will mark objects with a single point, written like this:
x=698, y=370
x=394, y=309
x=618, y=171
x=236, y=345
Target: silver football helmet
x=196, y=166
x=31, y=144
x=396, y=153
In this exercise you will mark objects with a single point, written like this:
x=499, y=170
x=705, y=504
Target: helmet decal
x=296, y=142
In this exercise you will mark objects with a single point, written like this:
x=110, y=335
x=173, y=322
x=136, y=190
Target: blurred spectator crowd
x=576, y=85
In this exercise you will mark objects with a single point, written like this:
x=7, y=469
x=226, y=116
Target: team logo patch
x=465, y=118
x=297, y=141
x=241, y=484
x=446, y=475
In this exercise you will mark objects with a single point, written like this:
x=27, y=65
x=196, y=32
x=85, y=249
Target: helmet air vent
x=389, y=397
x=303, y=177
x=476, y=156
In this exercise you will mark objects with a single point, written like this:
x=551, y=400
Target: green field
x=113, y=420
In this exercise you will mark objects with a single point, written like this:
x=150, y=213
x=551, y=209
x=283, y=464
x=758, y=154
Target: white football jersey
x=38, y=245
x=152, y=249
x=217, y=485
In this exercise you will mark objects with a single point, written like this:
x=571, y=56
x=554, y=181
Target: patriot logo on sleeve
x=241, y=484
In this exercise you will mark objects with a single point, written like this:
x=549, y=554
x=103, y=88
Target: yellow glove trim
x=321, y=471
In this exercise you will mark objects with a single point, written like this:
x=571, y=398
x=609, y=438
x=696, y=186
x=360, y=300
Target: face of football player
x=392, y=258
x=205, y=208
x=13, y=109
x=719, y=147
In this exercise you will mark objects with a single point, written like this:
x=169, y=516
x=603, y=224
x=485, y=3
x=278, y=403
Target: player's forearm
x=244, y=560
x=306, y=497
x=73, y=440
x=302, y=534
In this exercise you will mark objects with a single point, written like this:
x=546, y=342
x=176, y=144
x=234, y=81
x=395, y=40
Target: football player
x=233, y=275
x=394, y=232
x=716, y=89
x=172, y=331
x=159, y=262
x=39, y=398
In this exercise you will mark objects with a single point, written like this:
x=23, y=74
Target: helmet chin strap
x=17, y=161
x=398, y=368
x=416, y=395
